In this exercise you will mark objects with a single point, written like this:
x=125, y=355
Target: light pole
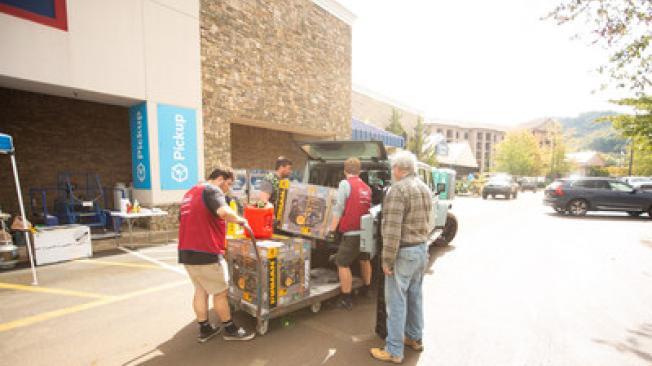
x=631, y=156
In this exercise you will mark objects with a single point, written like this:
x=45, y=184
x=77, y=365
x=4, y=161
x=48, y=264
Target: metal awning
x=361, y=131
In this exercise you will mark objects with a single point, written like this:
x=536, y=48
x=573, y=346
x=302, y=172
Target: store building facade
x=158, y=93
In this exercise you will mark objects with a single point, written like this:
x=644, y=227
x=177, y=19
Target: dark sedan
x=501, y=185
x=579, y=196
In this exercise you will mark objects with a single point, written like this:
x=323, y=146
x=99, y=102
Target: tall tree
x=395, y=125
x=417, y=144
x=621, y=26
x=637, y=126
x=519, y=154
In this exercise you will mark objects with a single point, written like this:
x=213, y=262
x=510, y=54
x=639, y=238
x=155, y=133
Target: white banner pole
x=22, y=213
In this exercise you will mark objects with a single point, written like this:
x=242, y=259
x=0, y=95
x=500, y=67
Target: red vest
x=357, y=205
x=199, y=229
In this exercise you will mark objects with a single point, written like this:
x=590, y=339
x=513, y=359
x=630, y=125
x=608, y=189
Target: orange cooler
x=261, y=221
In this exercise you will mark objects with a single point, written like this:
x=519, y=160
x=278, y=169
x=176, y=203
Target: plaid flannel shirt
x=406, y=213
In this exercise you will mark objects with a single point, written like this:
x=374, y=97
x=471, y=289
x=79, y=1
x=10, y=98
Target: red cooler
x=261, y=221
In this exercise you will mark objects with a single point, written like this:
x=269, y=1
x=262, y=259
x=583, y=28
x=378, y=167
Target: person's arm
x=343, y=193
x=393, y=211
x=215, y=201
x=266, y=190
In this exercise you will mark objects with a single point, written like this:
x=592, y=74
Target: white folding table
x=131, y=217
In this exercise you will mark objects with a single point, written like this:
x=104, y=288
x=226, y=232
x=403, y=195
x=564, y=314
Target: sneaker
x=382, y=355
x=207, y=334
x=415, y=345
x=239, y=335
x=344, y=303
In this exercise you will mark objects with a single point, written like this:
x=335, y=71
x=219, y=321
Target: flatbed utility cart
x=257, y=302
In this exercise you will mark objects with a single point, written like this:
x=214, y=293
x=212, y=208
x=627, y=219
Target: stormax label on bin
x=140, y=168
x=177, y=139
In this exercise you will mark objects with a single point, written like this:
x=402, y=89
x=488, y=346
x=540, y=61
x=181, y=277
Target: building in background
x=584, y=161
x=481, y=138
x=375, y=109
x=159, y=92
x=543, y=130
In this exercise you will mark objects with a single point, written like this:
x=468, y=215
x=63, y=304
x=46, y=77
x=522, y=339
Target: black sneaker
x=239, y=335
x=345, y=303
x=208, y=333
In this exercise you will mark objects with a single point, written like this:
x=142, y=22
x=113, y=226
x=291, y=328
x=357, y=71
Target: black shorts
x=349, y=251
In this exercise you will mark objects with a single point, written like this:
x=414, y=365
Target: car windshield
x=498, y=180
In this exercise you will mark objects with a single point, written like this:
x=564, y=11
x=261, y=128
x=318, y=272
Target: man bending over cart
x=202, y=238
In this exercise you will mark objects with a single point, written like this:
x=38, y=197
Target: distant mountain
x=585, y=133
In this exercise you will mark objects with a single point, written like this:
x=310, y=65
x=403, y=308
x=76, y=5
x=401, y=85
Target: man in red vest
x=353, y=201
x=202, y=242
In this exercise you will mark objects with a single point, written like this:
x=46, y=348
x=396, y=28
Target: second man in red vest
x=353, y=201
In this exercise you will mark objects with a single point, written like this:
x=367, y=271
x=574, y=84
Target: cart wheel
x=263, y=327
x=315, y=307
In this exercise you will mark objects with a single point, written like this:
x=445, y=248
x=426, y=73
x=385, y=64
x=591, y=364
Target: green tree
x=417, y=144
x=519, y=154
x=622, y=27
x=637, y=126
x=554, y=158
x=395, y=125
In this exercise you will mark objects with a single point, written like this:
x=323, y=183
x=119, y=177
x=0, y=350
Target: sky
x=482, y=61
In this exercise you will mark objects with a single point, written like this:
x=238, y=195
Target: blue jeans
x=403, y=298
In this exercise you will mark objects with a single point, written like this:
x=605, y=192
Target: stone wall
x=55, y=134
x=258, y=148
x=283, y=64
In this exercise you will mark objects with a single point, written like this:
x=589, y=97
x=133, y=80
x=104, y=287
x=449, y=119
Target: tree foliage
x=621, y=26
x=417, y=144
x=637, y=126
x=554, y=158
x=395, y=126
x=519, y=154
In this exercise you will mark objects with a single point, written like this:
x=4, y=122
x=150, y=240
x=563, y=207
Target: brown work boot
x=382, y=355
x=415, y=345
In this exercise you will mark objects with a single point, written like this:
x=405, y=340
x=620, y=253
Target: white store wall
x=116, y=52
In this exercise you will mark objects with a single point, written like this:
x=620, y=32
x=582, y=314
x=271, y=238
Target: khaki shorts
x=209, y=277
x=349, y=251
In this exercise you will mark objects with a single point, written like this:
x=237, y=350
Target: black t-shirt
x=213, y=199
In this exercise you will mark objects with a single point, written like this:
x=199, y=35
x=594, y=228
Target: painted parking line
x=30, y=320
x=50, y=290
x=118, y=264
x=176, y=269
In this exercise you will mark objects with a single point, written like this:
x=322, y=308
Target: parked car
x=581, y=195
x=528, y=184
x=445, y=220
x=500, y=185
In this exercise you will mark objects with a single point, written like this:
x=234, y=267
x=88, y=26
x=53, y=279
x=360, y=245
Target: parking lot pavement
x=518, y=286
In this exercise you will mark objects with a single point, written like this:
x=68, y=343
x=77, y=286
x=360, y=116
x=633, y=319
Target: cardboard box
x=285, y=271
x=307, y=209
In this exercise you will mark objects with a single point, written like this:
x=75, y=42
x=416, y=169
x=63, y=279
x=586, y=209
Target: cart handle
x=259, y=271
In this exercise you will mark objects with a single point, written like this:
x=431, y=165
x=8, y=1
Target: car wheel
x=649, y=212
x=508, y=196
x=515, y=195
x=634, y=213
x=578, y=207
x=484, y=196
x=449, y=232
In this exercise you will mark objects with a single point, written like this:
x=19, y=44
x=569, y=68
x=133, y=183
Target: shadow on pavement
x=332, y=337
x=634, y=342
x=437, y=252
x=600, y=217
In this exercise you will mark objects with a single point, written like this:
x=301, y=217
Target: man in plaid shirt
x=405, y=230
